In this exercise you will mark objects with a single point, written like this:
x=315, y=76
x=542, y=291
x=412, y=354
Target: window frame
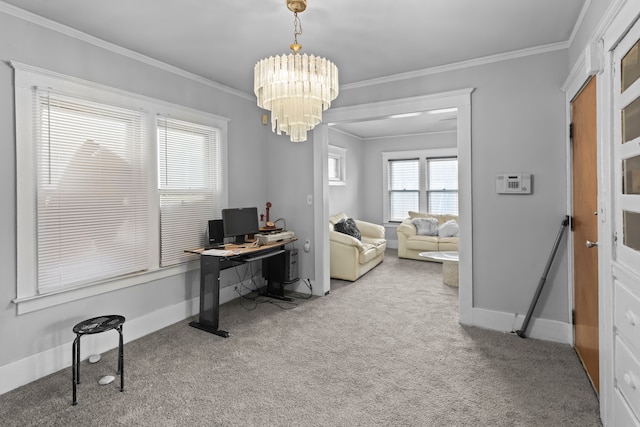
x=422, y=155
x=340, y=155
x=26, y=79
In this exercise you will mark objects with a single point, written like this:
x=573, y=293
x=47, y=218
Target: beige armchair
x=350, y=257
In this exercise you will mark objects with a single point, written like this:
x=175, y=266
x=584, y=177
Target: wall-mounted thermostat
x=513, y=183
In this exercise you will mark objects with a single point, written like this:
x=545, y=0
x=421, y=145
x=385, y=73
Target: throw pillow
x=448, y=229
x=348, y=226
x=426, y=226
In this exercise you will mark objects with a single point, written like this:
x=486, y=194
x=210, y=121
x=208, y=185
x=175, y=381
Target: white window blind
x=404, y=187
x=190, y=186
x=91, y=190
x=442, y=185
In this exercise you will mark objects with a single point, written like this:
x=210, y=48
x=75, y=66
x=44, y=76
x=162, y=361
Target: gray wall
x=289, y=175
x=518, y=125
x=33, y=333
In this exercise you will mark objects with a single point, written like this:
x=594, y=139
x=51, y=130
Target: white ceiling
x=366, y=39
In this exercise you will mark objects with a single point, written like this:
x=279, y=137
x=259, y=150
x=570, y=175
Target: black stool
x=95, y=326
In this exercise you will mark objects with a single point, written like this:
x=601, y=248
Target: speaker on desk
x=216, y=233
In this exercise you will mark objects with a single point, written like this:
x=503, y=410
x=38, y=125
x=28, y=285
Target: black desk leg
x=209, y=296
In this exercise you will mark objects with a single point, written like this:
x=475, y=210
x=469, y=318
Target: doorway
x=456, y=99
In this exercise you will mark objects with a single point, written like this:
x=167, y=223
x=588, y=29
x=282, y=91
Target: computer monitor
x=238, y=222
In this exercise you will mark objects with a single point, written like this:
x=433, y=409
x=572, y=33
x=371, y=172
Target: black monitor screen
x=238, y=222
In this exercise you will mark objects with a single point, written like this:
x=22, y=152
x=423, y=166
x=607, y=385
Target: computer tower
x=291, y=265
x=280, y=270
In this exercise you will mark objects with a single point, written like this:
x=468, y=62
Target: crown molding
x=458, y=65
x=344, y=132
x=79, y=35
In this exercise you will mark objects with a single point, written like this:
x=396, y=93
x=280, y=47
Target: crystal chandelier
x=296, y=88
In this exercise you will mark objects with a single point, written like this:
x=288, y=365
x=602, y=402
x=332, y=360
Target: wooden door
x=585, y=229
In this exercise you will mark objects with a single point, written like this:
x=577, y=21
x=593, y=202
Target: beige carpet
x=385, y=350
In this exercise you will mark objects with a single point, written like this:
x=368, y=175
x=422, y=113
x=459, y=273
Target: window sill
x=38, y=302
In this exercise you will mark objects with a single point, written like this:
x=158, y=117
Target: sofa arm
x=345, y=239
x=370, y=229
x=406, y=228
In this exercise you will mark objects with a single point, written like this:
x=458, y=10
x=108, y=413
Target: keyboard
x=262, y=255
x=219, y=252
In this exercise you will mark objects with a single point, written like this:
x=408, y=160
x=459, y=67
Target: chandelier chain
x=297, y=27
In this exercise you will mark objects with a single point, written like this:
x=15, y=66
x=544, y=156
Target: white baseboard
x=542, y=329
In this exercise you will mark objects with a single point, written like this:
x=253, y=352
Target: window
x=442, y=185
x=425, y=181
x=111, y=187
x=404, y=187
x=337, y=165
x=91, y=197
x=189, y=185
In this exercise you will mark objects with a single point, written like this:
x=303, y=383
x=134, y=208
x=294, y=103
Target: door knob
x=591, y=244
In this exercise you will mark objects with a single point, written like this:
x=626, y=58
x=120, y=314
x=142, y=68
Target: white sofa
x=410, y=243
x=350, y=257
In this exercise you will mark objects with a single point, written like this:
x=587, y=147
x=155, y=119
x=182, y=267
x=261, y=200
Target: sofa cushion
x=374, y=241
x=448, y=244
x=348, y=226
x=448, y=229
x=423, y=243
x=426, y=226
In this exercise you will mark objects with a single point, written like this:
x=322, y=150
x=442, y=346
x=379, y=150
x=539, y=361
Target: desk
x=211, y=265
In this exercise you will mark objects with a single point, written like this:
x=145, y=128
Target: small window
x=631, y=175
x=337, y=165
x=631, y=229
